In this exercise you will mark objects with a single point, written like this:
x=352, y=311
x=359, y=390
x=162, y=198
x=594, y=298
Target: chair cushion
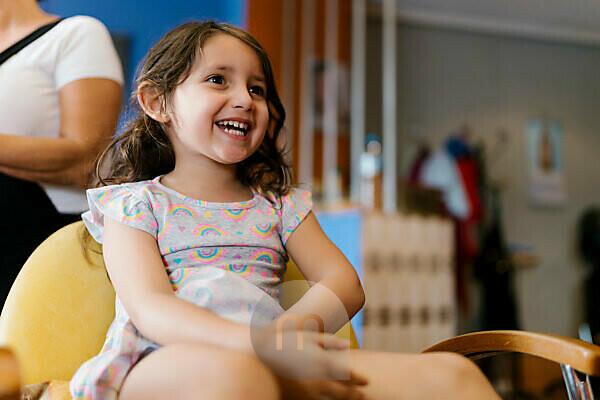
x=59, y=308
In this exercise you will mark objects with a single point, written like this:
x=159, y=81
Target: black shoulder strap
x=27, y=40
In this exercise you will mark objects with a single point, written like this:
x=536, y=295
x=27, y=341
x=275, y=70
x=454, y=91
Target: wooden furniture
x=9, y=375
x=578, y=359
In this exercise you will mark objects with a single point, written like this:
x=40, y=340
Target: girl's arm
x=336, y=293
x=138, y=275
x=89, y=109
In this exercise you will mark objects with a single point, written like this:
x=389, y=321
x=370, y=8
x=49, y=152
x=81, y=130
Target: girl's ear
x=152, y=102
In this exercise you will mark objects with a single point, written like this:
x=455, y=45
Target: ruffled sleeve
x=120, y=204
x=295, y=206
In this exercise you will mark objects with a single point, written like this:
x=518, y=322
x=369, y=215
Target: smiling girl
x=197, y=219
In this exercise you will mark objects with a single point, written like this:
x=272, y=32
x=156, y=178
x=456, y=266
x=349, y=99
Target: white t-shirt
x=78, y=47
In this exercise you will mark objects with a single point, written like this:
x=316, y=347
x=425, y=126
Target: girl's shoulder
x=294, y=196
x=291, y=207
x=139, y=186
x=136, y=191
x=127, y=203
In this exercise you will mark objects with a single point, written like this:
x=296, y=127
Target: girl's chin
x=230, y=159
x=228, y=154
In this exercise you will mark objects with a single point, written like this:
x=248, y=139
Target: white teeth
x=235, y=127
x=236, y=124
x=234, y=132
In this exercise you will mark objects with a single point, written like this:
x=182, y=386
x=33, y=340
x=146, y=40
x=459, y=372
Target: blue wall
x=344, y=229
x=145, y=21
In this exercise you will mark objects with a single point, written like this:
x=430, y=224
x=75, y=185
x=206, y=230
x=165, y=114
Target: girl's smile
x=237, y=128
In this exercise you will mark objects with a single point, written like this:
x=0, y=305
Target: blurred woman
x=60, y=97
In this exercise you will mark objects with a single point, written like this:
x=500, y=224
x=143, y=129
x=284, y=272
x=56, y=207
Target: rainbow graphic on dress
x=181, y=210
x=208, y=230
x=104, y=197
x=291, y=228
x=157, y=194
x=178, y=276
x=264, y=256
x=241, y=269
x=263, y=231
x=235, y=215
x=132, y=213
x=207, y=255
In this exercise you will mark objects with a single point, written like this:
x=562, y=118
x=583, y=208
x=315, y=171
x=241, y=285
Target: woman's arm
x=138, y=275
x=336, y=293
x=89, y=109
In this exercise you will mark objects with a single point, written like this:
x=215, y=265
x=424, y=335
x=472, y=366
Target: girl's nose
x=241, y=98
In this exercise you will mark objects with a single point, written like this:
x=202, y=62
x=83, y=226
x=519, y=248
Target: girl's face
x=220, y=111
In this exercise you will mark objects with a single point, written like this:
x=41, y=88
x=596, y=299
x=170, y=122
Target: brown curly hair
x=143, y=151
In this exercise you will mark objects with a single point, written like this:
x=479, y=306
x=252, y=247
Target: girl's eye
x=258, y=90
x=216, y=79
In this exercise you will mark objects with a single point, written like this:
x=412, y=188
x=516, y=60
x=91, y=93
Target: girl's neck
x=213, y=183
x=18, y=18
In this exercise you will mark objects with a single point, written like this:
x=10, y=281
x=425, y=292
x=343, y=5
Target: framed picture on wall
x=545, y=163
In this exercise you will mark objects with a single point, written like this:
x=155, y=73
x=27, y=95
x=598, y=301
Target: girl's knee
x=193, y=370
x=254, y=377
x=454, y=360
x=243, y=376
x=461, y=376
x=456, y=369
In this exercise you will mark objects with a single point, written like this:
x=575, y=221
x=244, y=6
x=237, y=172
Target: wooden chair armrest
x=582, y=356
x=9, y=375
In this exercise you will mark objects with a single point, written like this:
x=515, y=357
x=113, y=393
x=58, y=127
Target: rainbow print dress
x=226, y=257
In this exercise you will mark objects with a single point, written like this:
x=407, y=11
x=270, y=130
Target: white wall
x=447, y=78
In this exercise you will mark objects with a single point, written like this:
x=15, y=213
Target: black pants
x=29, y=218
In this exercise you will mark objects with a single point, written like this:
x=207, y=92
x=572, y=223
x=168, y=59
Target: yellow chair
x=61, y=305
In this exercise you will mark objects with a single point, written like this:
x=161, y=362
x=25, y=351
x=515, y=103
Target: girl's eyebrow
x=226, y=68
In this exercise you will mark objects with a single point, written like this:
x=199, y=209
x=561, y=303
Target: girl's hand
x=306, y=355
x=321, y=390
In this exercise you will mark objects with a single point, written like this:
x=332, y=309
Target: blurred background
x=450, y=146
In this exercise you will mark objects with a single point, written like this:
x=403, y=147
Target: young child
x=197, y=219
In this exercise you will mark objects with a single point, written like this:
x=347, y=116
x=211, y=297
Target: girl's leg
x=420, y=376
x=199, y=372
